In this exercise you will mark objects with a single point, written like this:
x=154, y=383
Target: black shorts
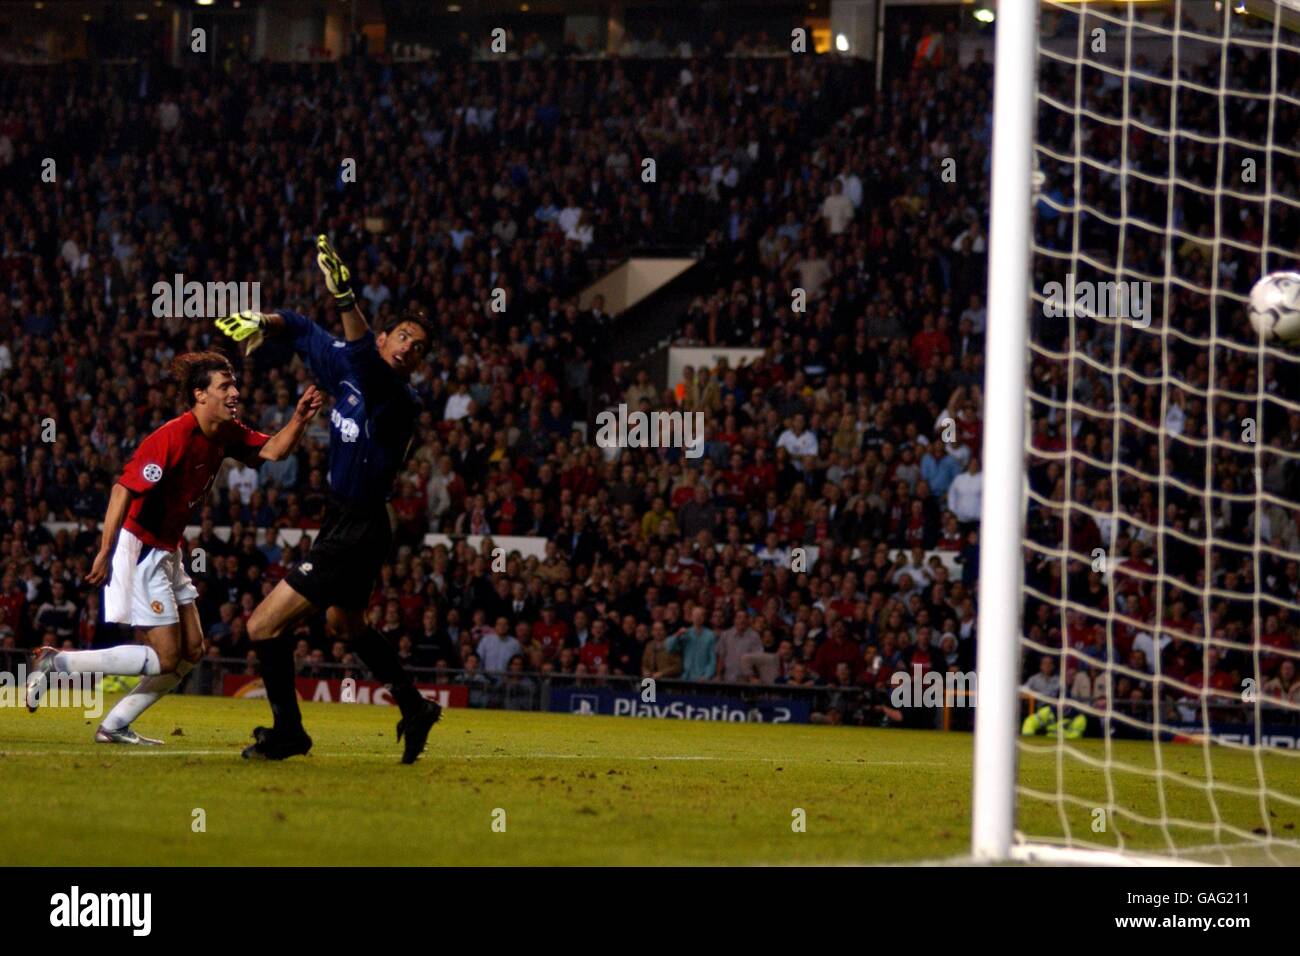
x=344, y=562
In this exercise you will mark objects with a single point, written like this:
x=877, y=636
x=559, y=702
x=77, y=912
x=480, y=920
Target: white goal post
x=1005, y=370
x=1189, y=108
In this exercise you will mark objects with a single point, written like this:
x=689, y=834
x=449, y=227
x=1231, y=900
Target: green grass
x=575, y=790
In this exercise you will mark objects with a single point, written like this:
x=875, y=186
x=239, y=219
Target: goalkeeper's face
x=403, y=347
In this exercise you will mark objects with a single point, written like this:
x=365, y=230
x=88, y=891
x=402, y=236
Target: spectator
x=837, y=209
x=698, y=647
x=658, y=661
x=965, y=494
x=595, y=653
x=496, y=646
x=58, y=614
x=517, y=688
x=242, y=482
x=837, y=649
x=1045, y=684
x=733, y=645
x=478, y=683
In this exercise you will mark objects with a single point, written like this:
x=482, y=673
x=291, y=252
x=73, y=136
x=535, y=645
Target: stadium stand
x=855, y=436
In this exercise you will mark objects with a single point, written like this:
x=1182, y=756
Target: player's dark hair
x=194, y=370
x=416, y=316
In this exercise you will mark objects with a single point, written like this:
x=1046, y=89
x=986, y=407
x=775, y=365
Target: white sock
x=144, y=696
x=125, y=659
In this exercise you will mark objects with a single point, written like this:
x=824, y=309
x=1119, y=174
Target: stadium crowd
x=792, y=552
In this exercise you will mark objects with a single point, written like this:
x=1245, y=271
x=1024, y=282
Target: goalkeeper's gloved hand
x=337, y=277
x=247, y=327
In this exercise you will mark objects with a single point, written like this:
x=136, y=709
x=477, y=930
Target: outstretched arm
x=338, y=279
x=354, y=324
x=319, y=349
x=251, y=327
x=283, y=442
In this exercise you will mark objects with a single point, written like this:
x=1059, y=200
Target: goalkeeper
x=1043, y=721
x=371, y=427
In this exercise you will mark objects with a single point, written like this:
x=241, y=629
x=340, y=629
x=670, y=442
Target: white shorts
x=148, y=591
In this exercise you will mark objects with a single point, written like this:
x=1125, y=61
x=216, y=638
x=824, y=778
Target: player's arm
x=119, y=501
x=320, y=350
x=338, y=279
x=283, y=443
x=250, y=327
x=155, y=457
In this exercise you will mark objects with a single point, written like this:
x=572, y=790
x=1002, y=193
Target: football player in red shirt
x=140, y=561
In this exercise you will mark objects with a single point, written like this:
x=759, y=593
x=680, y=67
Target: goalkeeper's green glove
x=247, y=327
x=337, y=277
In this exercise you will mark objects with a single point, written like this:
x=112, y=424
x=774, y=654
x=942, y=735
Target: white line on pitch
x=157, y=752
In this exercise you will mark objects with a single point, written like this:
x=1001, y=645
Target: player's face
x=404, y=347
x=221, y=398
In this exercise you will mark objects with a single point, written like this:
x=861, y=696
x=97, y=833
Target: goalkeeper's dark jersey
x=374, y=411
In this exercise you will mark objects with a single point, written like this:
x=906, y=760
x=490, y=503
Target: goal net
x=1156, y=690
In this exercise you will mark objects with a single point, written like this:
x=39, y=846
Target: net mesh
x=1162, y=545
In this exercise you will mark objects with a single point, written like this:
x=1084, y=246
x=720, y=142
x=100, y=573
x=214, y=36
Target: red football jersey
x=593, y=654
x=173, y=469
x=551, y=637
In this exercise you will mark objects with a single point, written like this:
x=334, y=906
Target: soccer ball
x=1275, y=307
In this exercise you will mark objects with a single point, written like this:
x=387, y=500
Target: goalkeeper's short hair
x=417, y=316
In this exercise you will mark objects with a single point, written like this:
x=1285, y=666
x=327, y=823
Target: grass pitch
x=574, y=790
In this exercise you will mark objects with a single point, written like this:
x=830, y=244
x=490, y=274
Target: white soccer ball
x=1275, y=307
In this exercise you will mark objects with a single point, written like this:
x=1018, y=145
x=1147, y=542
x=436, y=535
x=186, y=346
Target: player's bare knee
x=262, y=626
x=168, y=659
